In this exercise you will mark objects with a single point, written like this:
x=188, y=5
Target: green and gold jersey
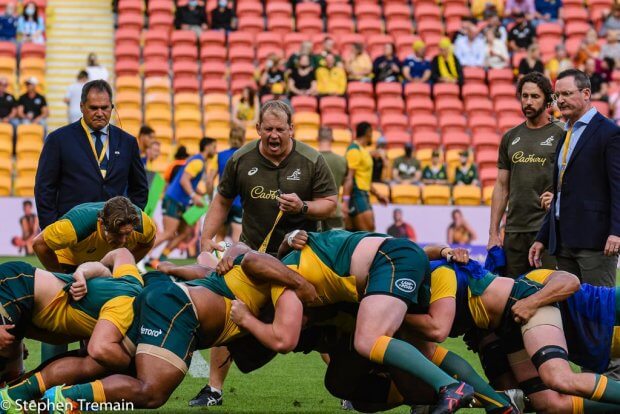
x=77, y=237
x=360, y=160
x=257, y=180
x=529, y=155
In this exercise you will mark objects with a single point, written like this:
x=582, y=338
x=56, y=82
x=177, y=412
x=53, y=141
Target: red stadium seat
x=335, y=120
x=426, y=139
x=369, y=117
x=185, y=53
x=501, y=90
x=390, y=105
x=393, y=122
x=181, y=85
x=416, y=89
x=342, y=25
x=131, y=6
x=155, y=52
x=308, y=10
x=123, y=37
x=384, y=89
x=376, y=44
x=419, y=105
x=8, y=49
x=239, y=54
x=130, y=21
x=368, y=11
x=269, y=39
x=572, y=14
x=430, y=26
x=423, y=10
x=474, y=74
x=214, y=86
x=280, y=25
x=456, y=140
x=452, y=123
x=159, y=38
x=508, y=105
x=397, y=28
x=252, y=9
x=482, y=123
x=346, y=41
x=309, y=24
x=339, y=11
x=185, y=69
x=423, y=123
x=126, y=52
x=404, y=43
x=32, y=50
x=486, y=158
x=397, y=138
x=397, y=11
x=333, y=104
x=161, y=21
x=355, y=89
x=475, y=91
x=508, y=121
x=304, y=103
x=448, y=105
x=156, y=68
x=488, y=176
x=213, y=54
x=264, y=52
x=369, y=27
x=240, y=38
x=280, y=9
x=497, y=76
x=446, y=89
x=183, y=38
x=127, y=68
x=602, y=107
x=160, y=7
x=361, y=103
x=479, y=106
x=251, y=24
x=215, y=70
x=212, y=38
x=485, y=140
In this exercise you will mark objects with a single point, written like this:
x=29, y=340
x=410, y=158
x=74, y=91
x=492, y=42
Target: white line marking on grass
x=199, y=368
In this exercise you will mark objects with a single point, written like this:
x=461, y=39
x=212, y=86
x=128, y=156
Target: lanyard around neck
x=92, y=143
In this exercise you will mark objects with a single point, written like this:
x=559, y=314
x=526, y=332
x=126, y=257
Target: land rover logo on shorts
x=253, y=171
x=517, y=139
x=406, y=285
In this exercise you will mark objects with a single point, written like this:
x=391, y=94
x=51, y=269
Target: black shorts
x=234, y=215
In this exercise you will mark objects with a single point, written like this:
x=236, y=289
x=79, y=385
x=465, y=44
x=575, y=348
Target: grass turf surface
x=291, y=383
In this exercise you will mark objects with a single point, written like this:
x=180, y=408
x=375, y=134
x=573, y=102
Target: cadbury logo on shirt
x=259, y=192
x=519, y=158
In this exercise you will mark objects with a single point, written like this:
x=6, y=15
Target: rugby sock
x=91, y=392
x=31, y=388
x=456, y=366
x=606, y=390
x=583, y=406
x=400, y=354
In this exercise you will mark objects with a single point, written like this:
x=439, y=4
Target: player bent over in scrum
x=93, y=304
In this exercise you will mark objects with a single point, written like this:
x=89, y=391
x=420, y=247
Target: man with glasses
x=582, y=227
x=525, y=175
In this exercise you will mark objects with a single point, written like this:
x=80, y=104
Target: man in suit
x=88, y=160
x=582, y=226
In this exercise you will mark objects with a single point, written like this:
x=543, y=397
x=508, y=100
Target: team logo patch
x=406, y=285
x=548, y=142
x=253, y=171
x=296, y=176
x=517, y=139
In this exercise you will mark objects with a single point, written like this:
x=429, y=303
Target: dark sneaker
x=346, y=405
x=206, y=397
x=452, y=397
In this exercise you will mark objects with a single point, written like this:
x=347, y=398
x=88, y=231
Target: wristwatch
x=304, y=207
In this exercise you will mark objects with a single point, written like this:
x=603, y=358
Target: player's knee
x=152, y=397
x=556, y=380
x=363, y=344
x=106, y=354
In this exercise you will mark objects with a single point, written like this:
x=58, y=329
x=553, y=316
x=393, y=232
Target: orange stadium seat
x=333, y=103
x=157, y=101
x=128, y=84
x=405, y=194
x=436, y=194
x=185, y=69
x=482, y=123
x=7, y=66
x=157, y=85
x=26, y=166
x=426, y=139
x=212, y=38
x=487, y=195
x=306, y=120
x=24, y=186
x=128, y=100
x=390, y=105
x=279, y=9
x=213, y=119
x=187, y=118
x=180, y=85
x=335, y=120
x=189, y=137
x=158, y=118
x=466, y=195
x=423, y=122
x=382, y=189
x=304, y=103
x=8, y=49
x=215, y=102
x=186, y=102
x=6, y=149
x=456, y=140
x=29, y=141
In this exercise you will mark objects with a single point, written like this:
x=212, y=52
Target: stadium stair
x=75, y=28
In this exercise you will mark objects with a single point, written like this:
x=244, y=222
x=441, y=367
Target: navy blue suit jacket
x=590, y=199
x=68, y=173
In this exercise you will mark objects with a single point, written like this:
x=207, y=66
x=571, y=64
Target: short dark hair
x=82, y=74
x=276, y=106
x=118, y=212
x=326, y=134
x=181, y=153
x=27, y=203
x=362, y=129
x=582, y=81
x=98, y=85
x=540, y=80
x=146, y=130
x=205, y=142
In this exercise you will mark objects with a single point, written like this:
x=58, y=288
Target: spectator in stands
x=8, y=105
x=466, y=172
x=416, y=68
x=359, y=64
x=94, y=69
x=614, y=106
x=494, y=23
x=8, y=24
x=547, y=10
x=559, y=63
x=386, y=68
x=193, y=16
x=406, y=168
x=223, y=17
x=272, y=80
x=445, y=67
x=305, y=49
x=151, y=154
x=380, y=161
x=496, y=51
x=612, y=20
x=32, y=106
x=245, y=110
x=303, y=78
x=328, y=49
x=435, y=173
x=598, y=85
x=459, y=231
x=531, y=62
x=589, y=48
x=331, y=79
x=146, y=136
x=611, y=49
x=605, y=68
x=521, y=36
x=526, y=7
x=401, y=229
x=30, y=26
x=73, y=96
x=478, y=7
x=469, y=48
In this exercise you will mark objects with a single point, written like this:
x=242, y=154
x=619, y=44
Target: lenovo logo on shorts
x=150, y=332
x=406, y=285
